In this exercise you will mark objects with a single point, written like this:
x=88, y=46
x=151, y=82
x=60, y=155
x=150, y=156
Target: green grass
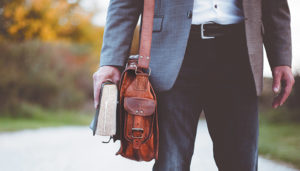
x=33, y=117
x=280, y=141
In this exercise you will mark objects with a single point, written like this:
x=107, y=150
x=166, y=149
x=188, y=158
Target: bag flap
x=139, y=106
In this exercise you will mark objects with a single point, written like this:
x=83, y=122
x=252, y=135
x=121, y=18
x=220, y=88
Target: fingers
x=116, y=78
x=276, y=81
x=278, y=98
x=288, y=82
x=96, y=96
x=106, y=73
x=97, y=87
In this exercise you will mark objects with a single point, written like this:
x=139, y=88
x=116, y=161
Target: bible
x=104, y=122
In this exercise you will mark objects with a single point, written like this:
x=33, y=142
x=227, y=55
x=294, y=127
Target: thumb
x=276, y=82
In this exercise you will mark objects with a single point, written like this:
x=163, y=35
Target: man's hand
x=103, y=74
x=283, y=81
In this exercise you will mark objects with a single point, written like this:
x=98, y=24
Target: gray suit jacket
x=266, y=21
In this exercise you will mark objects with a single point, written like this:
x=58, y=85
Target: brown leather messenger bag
x=137, y=121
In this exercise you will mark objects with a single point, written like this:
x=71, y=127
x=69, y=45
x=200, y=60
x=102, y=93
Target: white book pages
x=106, y=125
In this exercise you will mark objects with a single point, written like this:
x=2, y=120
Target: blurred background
x=49, y=50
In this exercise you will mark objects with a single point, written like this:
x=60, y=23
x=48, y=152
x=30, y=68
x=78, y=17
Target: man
x=206, y=55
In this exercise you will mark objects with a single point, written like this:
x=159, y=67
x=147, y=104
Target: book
x=105, y=119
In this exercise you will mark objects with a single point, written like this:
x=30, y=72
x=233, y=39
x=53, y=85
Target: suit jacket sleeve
x=121, y=20
x=277, y=32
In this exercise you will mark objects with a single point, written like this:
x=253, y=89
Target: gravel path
x=75, y=149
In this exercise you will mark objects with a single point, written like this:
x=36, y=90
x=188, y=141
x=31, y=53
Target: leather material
x=217, y=30
x=146, y=34
x=139, y=106
x=138, y=119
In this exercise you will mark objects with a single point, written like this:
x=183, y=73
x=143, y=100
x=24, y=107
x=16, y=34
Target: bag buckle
x=140, y=130
x=202, y=33
x=148, y=71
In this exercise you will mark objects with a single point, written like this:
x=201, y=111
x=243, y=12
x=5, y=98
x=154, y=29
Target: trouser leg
x=178, y=114
x=215, y=76
x=233, y=125
x=178, y=119
x=231, y=108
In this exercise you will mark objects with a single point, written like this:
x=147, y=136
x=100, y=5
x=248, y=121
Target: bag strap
x=146, y=34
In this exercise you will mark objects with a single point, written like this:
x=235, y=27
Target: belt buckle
x=202, y=33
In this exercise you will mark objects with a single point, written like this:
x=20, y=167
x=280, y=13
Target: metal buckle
x=149, y=71
x=202, y=33
x=135, y=57
x=139, y=130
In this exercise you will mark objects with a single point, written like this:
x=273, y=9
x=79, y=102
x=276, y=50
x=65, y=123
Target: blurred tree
x=47, y=20
x=51, y=75
x=49, y=50
x=50, y=21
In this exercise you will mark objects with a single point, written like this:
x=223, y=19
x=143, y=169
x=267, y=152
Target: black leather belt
x=213, y=30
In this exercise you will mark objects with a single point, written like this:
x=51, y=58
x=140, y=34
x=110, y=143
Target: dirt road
x=75, y=149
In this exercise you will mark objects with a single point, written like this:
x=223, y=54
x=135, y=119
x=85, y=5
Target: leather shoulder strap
x=146, y=34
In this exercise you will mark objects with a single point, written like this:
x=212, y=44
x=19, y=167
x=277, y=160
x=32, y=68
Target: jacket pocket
x=157, y=23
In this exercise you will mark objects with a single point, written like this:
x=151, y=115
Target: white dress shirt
x=218, y=11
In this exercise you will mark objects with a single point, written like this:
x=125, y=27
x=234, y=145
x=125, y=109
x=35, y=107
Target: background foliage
x=49, y=50
x=46, y=20
x=52, y=75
